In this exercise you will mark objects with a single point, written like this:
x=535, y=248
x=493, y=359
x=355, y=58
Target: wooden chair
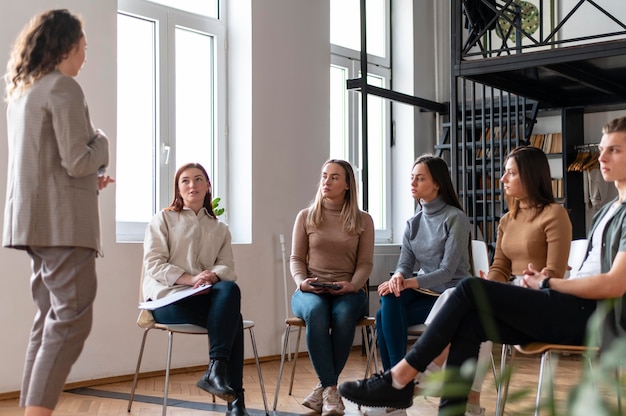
x=147, y=322
x=367, y=325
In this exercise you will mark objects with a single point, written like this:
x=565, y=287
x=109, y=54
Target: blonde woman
x=333, y=246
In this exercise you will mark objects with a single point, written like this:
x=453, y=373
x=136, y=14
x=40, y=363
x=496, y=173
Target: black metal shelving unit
x=505, y=74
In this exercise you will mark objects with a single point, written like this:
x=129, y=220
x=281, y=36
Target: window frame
x=383, y=235
x=166, y=21
x=379, y=66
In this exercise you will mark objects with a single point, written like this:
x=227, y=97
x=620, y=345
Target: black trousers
x=480, y=310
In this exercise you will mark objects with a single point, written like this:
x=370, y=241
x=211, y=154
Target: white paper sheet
x=176, y=296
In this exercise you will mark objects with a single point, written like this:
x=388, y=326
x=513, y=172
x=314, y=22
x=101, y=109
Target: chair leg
x=295, y=360
x=369, y=337
x=366, y=345
x=375, y=349
x=282, y=363
x=258, y=368
x=545, y=359
x=503, y=385
x=168, y=363
x=132, y=390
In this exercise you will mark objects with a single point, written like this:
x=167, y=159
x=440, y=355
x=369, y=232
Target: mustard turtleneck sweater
x=543, y=241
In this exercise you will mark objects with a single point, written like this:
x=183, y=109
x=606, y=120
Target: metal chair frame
x=546, y=350
x=192, y=330
x=369, y=338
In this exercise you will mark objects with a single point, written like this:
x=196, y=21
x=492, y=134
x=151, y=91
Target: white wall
x=284, y=121
x=588, y=20
x=278, y=123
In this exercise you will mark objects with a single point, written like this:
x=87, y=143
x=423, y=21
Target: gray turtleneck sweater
x=436, y=242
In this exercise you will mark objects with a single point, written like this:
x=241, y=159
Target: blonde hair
x=617, y=125
x=350, y=212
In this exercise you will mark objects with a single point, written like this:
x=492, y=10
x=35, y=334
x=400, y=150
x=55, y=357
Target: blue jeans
x=393, y=319
x=330, y=325
x=219, y=311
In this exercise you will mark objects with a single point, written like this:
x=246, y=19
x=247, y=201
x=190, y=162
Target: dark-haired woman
x=436, y=242
x=186, y=245
x=536, y=229
x=55, y=170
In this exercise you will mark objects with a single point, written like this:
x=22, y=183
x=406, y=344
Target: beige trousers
x=63, y=287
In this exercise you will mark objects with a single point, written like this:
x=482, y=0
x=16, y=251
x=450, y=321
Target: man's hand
x=532, y=277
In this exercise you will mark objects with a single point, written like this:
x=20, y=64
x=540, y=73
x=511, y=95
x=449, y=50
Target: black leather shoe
x=237, y=407
x=215, y=381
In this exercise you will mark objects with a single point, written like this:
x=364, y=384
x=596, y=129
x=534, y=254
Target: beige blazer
x=54, y=158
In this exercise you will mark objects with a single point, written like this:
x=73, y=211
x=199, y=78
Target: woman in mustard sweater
x=333, y=243
x=536, y=229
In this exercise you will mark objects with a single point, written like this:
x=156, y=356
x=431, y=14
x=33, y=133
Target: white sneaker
x=314, y=400
x=389, y=411
x=474, y=410
x=332, y=403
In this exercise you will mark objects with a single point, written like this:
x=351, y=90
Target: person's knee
x=229, y=288
x=465, y=283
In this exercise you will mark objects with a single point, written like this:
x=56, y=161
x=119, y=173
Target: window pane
x=339, y=131
x=208, y=8
x=345, y=25
x=136, y=131
x=194, y=99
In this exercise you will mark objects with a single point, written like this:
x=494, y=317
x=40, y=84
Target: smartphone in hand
x=332, y=286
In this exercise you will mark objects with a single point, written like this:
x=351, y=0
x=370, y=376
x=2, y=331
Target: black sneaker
x=377, y=391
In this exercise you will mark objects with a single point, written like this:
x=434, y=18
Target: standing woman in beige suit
x=56, y=165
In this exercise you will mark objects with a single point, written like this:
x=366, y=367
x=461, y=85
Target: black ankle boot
x=215, y=381
x=237, y=407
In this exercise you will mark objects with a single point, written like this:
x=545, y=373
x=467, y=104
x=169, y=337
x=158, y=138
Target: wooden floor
x=186, y=399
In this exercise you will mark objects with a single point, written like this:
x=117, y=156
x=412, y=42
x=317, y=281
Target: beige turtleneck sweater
x=330, y=253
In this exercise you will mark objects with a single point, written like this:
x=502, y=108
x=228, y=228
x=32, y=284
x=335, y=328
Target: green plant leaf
x=215, y=205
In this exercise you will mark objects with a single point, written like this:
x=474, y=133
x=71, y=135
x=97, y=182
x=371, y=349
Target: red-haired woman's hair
x=178, y=203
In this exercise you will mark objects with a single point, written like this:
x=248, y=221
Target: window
x=170, y=64
x=208, y=8
x=345, y=106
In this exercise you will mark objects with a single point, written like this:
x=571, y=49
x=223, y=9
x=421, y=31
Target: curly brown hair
x=44, y=42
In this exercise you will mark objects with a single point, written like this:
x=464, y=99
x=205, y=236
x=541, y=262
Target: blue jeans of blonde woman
x=393, y=319
x=219, y=312
x=330, y=326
